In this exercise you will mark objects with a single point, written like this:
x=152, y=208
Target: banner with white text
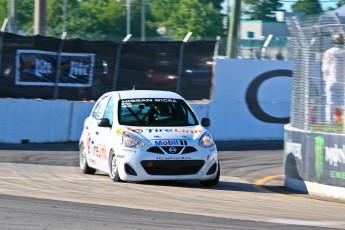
x=35, y=67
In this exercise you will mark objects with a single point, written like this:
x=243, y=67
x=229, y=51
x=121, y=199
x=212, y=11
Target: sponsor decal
x=166, y=130
x=88, y=142
x=170, y=142
x=120, y=156
x=101, y=151
x=78, y=69
x=335, y=155
x=36, y=67
x=135, y=130
x=319, y=156
x=188, y=131
x=294, y=148
x=119, y=132
x=129, y=150
x=337, y=175
x=165, y=100
x=42, y=67
x=173, y=158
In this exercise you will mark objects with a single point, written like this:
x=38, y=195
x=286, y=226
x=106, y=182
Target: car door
x=103, y=137
x=93, y=131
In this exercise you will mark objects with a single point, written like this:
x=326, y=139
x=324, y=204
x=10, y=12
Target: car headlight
x=131, y=141
x=206, y=140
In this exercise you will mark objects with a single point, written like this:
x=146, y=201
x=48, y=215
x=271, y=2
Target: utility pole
x=40, y=17
x=231, y=50
x=143, y=12
x=12, y=16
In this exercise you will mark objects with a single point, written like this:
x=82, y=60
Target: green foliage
x=3, y=10
x=262, y=10
x=92, y=19
x=183, y=16
x=307, y=7
x=341, y=3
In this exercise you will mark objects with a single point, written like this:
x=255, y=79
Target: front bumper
x=140, y=165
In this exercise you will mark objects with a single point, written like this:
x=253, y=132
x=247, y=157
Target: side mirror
x=104, y=122
x=205, y=122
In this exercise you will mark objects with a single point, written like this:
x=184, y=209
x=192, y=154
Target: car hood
x=167, y=133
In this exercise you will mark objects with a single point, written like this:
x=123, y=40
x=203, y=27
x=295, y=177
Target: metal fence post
x=215, y=54
x=2, y=30
x=58, y=66
x=117, y=63
x=180, y=62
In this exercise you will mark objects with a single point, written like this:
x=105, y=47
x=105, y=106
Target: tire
x=113, y=168
x=85, y=168
x=213, y=182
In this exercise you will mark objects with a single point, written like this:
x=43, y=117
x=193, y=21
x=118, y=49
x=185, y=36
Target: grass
x=328, y=128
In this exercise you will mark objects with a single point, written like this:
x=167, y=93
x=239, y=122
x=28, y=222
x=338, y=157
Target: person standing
x=333, y=70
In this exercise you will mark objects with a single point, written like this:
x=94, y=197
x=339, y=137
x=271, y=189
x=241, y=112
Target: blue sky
x=287, y=3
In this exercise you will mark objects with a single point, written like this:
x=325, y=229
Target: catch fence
x=75, y=69
x=317, y=102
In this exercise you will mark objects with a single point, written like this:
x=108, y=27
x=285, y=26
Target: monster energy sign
x=315, y=157
x=319, y=156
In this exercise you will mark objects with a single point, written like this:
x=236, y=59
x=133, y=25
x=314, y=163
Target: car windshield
x=155, y=112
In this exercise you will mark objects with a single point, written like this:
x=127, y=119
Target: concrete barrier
x=251, y=102
x=314, y=162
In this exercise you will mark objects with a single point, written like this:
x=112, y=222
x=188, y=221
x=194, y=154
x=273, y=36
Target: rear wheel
x=114, y=168
x=213, y=182
x=85, y=168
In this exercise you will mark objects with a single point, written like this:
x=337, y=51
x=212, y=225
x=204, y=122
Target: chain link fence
x=317, y=102
x=75, y=69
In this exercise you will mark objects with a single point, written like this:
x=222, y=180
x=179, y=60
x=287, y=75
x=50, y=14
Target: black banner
x=90, y=68
x=35, y=67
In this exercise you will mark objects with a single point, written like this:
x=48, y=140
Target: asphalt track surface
x=41, y=187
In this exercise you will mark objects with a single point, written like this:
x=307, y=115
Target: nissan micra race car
x=142, y=135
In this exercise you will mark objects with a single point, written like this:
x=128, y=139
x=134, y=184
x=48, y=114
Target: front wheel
x=213, y=182
x=114, y=168
x=85, y=168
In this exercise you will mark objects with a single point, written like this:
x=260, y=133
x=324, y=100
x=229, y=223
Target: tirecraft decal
x=252, y=97
x=165, y=130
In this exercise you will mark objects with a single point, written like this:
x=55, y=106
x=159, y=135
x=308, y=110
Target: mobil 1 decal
x=328, y=159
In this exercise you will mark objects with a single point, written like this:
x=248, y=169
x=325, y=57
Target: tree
x=307, y=7
x=262, y=10
x=180, y=17
x=3, y=10
x=341, y=3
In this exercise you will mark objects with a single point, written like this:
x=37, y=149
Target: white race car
x=141, y=135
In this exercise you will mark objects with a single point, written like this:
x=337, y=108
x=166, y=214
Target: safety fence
x=317, y=102
x=76, y=69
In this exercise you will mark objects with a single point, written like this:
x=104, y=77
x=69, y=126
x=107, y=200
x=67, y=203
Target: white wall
x=229, y=111
x=42, y=121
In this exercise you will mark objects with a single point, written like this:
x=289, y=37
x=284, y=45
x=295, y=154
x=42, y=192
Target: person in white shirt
x=333, y=70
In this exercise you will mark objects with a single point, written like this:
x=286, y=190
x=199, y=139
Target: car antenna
x=133, y=87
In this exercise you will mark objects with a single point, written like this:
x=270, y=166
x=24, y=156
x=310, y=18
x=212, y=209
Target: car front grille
x=167, y=149
x=172, y=167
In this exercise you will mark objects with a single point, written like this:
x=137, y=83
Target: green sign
x=319, y=156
